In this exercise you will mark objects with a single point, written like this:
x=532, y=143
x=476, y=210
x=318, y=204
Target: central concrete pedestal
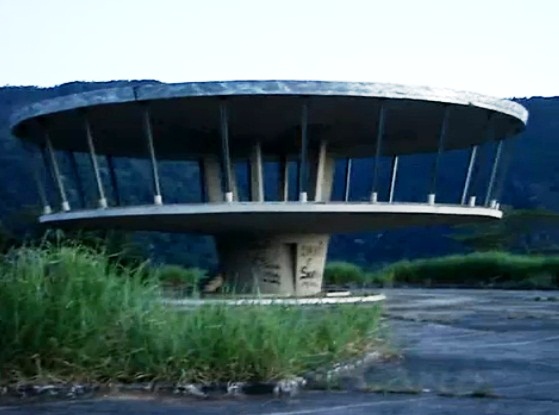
x=274, y=264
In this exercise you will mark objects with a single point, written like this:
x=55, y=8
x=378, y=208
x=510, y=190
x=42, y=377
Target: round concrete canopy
x=186, y=118
x=271, y=217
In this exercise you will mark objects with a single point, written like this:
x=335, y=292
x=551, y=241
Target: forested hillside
x=532, y=182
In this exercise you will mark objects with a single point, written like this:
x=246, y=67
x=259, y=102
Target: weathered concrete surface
x=322, y=166
x=271, y=217
x=499, y=343
x=343, y=113
x=502, y=345
x=310, y=403
x=211, y=173
x=274, y=264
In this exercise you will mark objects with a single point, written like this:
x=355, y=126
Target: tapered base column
x=273, y=264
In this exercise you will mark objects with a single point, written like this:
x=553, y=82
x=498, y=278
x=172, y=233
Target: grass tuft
x=176, y=275
x=343, y=273
x=68, y=313
x=485, y=269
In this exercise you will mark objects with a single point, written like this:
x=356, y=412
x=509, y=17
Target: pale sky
x=503, y=48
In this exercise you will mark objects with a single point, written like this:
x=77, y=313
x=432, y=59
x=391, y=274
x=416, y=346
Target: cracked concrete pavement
x=464, y=352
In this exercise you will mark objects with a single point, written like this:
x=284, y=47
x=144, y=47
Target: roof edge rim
x=269, y=87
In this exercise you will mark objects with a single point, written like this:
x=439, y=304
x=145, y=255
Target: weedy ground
x=68, y=313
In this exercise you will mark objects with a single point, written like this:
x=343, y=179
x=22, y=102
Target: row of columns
x=218, y=181
x=490, y=196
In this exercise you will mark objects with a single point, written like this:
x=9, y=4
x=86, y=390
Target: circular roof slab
x=185, y=118
x=271, y=217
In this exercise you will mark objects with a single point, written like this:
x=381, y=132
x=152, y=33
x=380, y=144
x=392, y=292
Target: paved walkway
x=465, y=352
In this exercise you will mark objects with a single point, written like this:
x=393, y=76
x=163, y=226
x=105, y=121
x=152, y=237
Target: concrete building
x=272, y=244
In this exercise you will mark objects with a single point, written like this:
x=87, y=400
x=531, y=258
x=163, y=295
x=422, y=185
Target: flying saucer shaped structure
x=273, y=242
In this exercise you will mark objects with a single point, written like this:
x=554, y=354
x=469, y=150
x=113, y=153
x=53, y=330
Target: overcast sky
x=498, y=47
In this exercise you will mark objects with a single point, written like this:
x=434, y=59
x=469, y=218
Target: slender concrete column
x=274, y=264
x=148, y=131
x=283, y=179
x=212, y=180
x=234, y=186
x=47, y=210
x=326, y=184
x=440, y=148
x=347, y=182
x=303, y=177
x=504, y=167
x=77, y=178
x=93, y=157
x=114, y=182
x=202, y=181
x=211, y=173
x=380, y=136
x=256, y=174
x=49, y=174
x=493, y=173
x=298, y=174
x=393, y=179
x=431, y=198
x=328, y=178
x=57, y=175
x=321, y=174
x=320, y=170
x=469, y=175
x=483, y=156
x=41, y=192
x=225, y=156
x=35, y=169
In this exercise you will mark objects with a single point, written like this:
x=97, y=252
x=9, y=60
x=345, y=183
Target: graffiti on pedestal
x=266, y=267
x=307, y=276
x=307, y=268
x=310, y=250
x=271, y=274
x=307, y=273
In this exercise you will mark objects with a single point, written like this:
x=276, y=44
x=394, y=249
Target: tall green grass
x=484, y=269
x=177, y=276
x=69, y=313
x=480, y=269
x=347, y=274
x=343, y=273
